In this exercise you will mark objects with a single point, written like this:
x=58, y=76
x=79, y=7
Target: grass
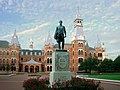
x=105, y=76
x=5, y=73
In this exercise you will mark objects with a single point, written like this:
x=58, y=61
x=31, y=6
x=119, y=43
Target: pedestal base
x=60, y=75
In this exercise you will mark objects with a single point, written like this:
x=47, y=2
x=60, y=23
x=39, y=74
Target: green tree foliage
x=89, y=64
x=117, y=64
x=106, y=66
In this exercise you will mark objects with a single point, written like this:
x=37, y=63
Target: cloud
x=10, y=2
x=114, y=41
x=31, y=30
x=116, y=4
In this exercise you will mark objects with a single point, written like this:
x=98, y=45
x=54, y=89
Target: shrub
x=76, y=84
x=73, y=84
x=35, y=84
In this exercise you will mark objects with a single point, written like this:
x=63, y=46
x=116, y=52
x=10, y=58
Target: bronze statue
x=60, y=34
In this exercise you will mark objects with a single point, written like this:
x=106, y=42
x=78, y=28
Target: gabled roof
x=4, y=44
x=31, y=62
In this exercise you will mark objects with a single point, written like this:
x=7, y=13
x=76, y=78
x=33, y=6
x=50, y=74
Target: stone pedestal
x=60, y=66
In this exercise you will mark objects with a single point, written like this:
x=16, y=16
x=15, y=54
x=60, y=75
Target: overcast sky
x=35, y=18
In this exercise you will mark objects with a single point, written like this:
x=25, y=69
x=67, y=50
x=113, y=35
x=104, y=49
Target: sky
x=35, y=18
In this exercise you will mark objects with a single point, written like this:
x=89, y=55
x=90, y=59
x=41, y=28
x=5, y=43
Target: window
x=90, y=55
x=21, y=59
x=50, y=52
x=21, y=53
x=13, y=53
x=7, y=52
x=40, y=53
x=26, y=53
x=80, y=52
x=0, y=60
x=50, y=68
x=85, y=54
x=31, y=53
x=47, y=68
x=40, y=59
x=99, y=54
x=80, y=44
x=47, y=52
x=80, y=60
x=50, y=60
x=0, y=52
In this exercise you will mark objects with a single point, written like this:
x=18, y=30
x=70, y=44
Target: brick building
x=13, y=57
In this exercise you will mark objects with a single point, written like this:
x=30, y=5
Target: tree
x=106, y=65
x=117, y=64
x=89, y=64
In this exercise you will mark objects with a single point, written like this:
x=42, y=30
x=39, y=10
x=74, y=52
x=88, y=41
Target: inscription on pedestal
x=60, y=66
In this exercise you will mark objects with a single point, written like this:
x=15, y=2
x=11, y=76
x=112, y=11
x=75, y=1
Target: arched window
x=0, y=52
x=47, y=52
x=7, y=52
x=47, y=68
x=50, y=68
x=50, y=52
x=40, y=59
x=48, y=60
x=81, y=52
x=13, y=53
x=99, y=54
x=21, y=59
x=85, y=53
x=14, y=60
x=80, y=44
x=80, y=60
x=78, y=52
x=90, y=54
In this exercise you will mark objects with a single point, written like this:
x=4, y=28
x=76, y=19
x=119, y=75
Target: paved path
x=12, y=82
x=16, y=82
x=108, y=84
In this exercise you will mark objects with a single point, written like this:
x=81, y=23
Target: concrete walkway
x=12, y=82
x=108, y=84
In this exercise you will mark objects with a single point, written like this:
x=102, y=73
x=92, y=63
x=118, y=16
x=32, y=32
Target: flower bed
x=73, y=84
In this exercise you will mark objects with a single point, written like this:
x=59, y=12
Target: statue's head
x=60, y=22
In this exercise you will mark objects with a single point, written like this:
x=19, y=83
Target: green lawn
x=5, y=73
x=105, y=76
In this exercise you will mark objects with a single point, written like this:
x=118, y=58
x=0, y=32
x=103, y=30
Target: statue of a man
x=60, y=34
